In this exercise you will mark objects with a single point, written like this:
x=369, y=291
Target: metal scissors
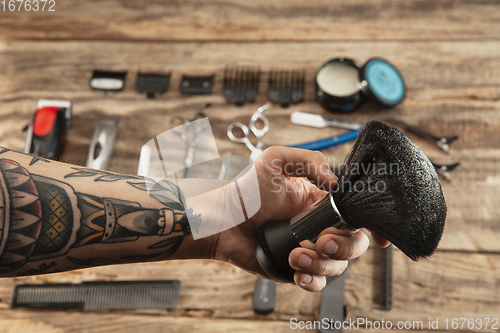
x=259, y=133
x=190, y=134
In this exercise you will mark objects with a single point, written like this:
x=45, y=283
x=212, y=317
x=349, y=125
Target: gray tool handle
x=331, y=309
x=101, y=145
x=263, y=296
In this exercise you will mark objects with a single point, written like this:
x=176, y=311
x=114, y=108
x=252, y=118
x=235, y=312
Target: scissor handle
x=198, y=115
x=259, y=133
x=243, y=127
x=175, y=118
x=201, y=112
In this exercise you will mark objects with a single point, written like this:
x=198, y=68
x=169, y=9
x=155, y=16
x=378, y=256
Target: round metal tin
x=338, y=102
x=382, y=81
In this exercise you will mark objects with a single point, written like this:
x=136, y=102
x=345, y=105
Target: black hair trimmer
x=47, y=128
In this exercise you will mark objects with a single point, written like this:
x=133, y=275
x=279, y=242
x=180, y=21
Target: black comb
x=152, y=83
x=241, y=84
x=382, y=277
x=111, y=295
x=286, y=86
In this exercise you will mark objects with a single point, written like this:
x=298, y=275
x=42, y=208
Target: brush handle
x=329, y=142
x=274, y=243
x=277, y=239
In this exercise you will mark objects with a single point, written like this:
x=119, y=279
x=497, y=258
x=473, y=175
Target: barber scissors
x=189, y=133
x=259, y=133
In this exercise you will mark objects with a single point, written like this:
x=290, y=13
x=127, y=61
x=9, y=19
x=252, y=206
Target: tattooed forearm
x=34, y=159
x=102, y=176
x=43, y=220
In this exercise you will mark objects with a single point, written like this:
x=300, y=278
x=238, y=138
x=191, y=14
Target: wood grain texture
x=454, y=88
x=447, y=50
x=261, y=20
x=68, y=322
x=214, y=293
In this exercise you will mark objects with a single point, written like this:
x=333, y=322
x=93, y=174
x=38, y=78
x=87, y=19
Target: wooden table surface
x=448, y=52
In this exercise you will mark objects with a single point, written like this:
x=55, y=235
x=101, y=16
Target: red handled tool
x=47, y=128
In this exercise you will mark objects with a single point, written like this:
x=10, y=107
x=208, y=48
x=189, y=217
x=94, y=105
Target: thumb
x=312, y=165
x=304, y=194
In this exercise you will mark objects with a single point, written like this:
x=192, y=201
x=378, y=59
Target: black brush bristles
x=389, y=186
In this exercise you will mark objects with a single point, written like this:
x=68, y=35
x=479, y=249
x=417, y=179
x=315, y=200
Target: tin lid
x=382, y=81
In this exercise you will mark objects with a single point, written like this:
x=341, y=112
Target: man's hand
x=287, y=181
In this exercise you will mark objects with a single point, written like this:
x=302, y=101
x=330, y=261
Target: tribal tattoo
x=43, y=218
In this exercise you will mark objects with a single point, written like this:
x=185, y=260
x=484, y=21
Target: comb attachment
x=115, y=295
x=152, y=83
x=241, y=84
x=286, y=86
x=197, y=84
x=108, y=82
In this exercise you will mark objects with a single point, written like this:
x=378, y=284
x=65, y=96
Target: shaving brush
x=386, y=184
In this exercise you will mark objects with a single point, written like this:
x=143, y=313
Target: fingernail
x=306, y=279
x=304, y=262
x=331, y=247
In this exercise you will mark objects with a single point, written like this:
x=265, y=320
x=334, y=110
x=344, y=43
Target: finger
x=379, y=240
x=338, y=247
x=309, y=282
x=307, y=244
x=304, y=163
x=341, y=232
x=309, y=262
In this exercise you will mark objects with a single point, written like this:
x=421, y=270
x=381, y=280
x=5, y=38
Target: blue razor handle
x=330, y=141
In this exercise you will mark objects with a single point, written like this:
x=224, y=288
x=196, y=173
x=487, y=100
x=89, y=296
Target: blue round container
x=380, y=80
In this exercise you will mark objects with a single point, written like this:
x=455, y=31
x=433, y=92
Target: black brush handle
x=277, y=239
x=316, y=218
x=274, y=243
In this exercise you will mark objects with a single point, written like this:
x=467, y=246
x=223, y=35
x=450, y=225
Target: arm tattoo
x=43, y=218
x=34, y=159
x=104, y=176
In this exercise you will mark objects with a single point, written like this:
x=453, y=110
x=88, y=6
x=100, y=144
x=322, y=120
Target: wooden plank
x=209, y=288
x=465, y=285
x=239, y=20
x=40, y=321
x=438, y=100
x=445, y=286
x=62, y=321
x=430, y=68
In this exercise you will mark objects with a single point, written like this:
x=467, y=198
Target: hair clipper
x=47, y=128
